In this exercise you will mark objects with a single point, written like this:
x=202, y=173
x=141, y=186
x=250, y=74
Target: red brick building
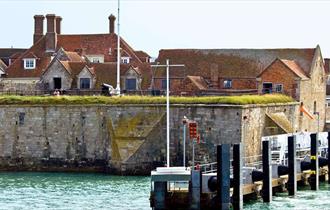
x=26, y=70
x=299, y=73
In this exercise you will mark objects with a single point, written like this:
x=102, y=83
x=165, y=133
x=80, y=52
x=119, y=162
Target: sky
x=151, y=25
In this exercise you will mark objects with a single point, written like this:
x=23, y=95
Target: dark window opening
x=21, y=118
x=314, y=108
x=57, y=83
x=267, y=87
x=85, y=83
x=164, y=84
x=131, y=84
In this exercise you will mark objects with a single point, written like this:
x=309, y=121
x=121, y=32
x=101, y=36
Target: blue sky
x=161, y=24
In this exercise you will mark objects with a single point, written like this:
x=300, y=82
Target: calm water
x=97, y=191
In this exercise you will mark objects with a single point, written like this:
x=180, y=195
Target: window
x=110, y=51
x=164, y=84
x=227, y=84
x=279, y=88
x=85, y=83
x=21, y=117
x=30, y=63
x=96, y=60
x=125, y=60
x=314, y=108
x=131, y=84
x=267, y=87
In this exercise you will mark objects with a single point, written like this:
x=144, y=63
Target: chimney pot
x=51, y=36
x=38, y=27
x=112, y=20
x=58, y=24
x=51, y=23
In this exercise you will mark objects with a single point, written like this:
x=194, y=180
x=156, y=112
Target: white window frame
x=125, y=60
x=29, y=63
x=276, y=88
x=95, y=60
x=228, y=84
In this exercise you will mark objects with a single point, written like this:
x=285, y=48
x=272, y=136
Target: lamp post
x=168, y=65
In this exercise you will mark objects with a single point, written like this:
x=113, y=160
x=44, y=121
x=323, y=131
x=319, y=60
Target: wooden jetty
x=186, y=188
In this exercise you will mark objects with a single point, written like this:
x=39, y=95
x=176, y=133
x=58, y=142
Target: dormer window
x=125, y=60
x=96, y=60
x=29, y=63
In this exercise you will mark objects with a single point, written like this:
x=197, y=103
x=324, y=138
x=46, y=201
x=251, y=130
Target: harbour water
x=27, y=190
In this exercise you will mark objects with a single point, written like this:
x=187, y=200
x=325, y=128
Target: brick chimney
x=58, y=24
x=112, y=20
x=51, y=36
x=38, y=27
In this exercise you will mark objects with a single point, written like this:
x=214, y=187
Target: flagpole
x=118, y=51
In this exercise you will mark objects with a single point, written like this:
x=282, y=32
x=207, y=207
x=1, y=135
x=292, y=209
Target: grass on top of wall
x=235, y=100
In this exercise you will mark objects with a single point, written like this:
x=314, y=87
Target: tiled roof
x=290, y=65
x=16, y=69
x=87, y=44
x=198, y=81
x=107, y=73
x=142, y=54
x=326, y=65
x=6, y=53
x=16, y=55
x=74, y=57
x=74, y=68
x=91, y=44
x=29, y=55
x=232, y=63
x=293, y=66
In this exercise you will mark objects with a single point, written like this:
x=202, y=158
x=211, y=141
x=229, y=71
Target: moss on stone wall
x=236, y=100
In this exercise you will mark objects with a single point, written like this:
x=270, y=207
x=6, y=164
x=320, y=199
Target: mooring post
x=196, y=179
x=223, y=176
x=238, y=176
x=267, y=186
x=314, y=178
x=292, y=163
x=160, y=190
x=328, y=156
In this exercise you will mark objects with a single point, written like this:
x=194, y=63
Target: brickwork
x=278, y=73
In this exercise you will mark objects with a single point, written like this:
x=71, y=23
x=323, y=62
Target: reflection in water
x=24, y=190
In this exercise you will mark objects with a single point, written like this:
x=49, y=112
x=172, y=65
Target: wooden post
x=314, y=178
x=292, y=182
x=238, y=176
x=267, y=172
x=160, y=190
x=195, y=189
x=223, y=176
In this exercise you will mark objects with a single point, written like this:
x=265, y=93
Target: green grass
x=52, y=100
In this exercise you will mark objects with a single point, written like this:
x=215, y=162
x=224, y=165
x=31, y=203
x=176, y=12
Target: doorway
x=57, y=82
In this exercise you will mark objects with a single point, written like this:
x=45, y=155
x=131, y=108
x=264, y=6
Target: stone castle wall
x=121, y=139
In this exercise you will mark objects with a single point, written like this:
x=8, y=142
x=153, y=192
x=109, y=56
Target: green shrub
x=236, y=100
